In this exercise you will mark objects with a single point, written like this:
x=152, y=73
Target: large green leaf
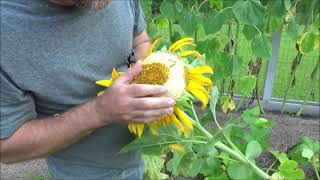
x=304, y=150
x=146, y=6
x=214, y=22
x=186, y=164
x=237, y=170
x=261, y=46
x=189, y=22
x=168, y=10
x=152, y=167
x=274, y=23
x=276, y=7
x=247, y=84
x=309, y=42
x=289, y=170
x=292, y=29
x=249, y=12
x=249, y=32
x=253, y=150
x=154, y=144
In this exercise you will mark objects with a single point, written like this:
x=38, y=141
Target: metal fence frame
x=274, y=104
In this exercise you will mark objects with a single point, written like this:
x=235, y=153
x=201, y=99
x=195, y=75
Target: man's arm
x=141, y=45
x=130, y=103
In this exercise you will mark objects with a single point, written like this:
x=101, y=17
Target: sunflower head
x=170, y=69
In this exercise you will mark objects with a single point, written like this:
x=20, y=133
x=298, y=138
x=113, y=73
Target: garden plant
x=198, y=62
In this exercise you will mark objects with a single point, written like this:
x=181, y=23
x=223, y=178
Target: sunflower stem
x=235, y=152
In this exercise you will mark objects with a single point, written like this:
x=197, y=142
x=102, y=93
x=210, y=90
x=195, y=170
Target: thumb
x=132, y=72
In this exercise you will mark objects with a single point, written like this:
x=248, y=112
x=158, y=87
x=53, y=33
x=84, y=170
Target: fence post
x=272, y=65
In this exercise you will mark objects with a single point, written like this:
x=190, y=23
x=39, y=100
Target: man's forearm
x=41, y=137
x=141, y=45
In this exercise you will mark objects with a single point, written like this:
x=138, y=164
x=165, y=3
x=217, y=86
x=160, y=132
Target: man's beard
x=94, y=4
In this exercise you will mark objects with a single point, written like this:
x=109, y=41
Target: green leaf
x=249, y=32
x=162, y=23
x=186, y=164
x=261, y=46
x=237, y=65
x=167, y=9
x=309, y=42
x=247, y=84
x=316, y=22
x=214, y=22
x=152, y=166
x=238, y=170
x=189, y=22
x=185, y=101
x=222, y=176
x=276, y=8
x=253, y=150
x=289, y=170
x=214, y=99
x=307, y=153
x=250, y=116
x=209, y=47
x=304, y=150
x=249, y=12
x=287, y=4
x=282, y=157
x=274, y=23
x=146, y=6
x=150, y=144
x=227, y=103
x=292, y=29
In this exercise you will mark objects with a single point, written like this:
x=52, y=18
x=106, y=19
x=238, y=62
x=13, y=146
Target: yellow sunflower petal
x=178, y=124
x=179, y=42
x=100, y=93
x=153, y=46
x=105, y=83
x=201, y=80
x=179, y=46
x=140, y=128
x=154, y=128
x=130, y=128
x=177, y=147
x=188, y=53
x=199, y=92
x=183, y=118
x=201, y=70
x=114, y=74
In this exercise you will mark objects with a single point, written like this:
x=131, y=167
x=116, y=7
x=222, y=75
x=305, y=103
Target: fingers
x=148, y=103
x=152, y=113
x=143, y=90
x=129, y=76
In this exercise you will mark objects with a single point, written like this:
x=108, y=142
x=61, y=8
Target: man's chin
x=93, y=4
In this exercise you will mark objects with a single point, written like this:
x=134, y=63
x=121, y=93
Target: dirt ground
x=284, y=135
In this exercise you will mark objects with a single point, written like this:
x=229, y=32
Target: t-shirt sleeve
x=139, y=23
x=17, y=106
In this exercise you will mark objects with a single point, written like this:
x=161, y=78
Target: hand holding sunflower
x=129, y=102
x=170, y=69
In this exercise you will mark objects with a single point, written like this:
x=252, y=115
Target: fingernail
x=170, y=110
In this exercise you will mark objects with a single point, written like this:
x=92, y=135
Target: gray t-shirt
x=50, y=58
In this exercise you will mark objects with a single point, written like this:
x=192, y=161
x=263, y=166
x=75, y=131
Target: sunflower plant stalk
x=182, y=70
